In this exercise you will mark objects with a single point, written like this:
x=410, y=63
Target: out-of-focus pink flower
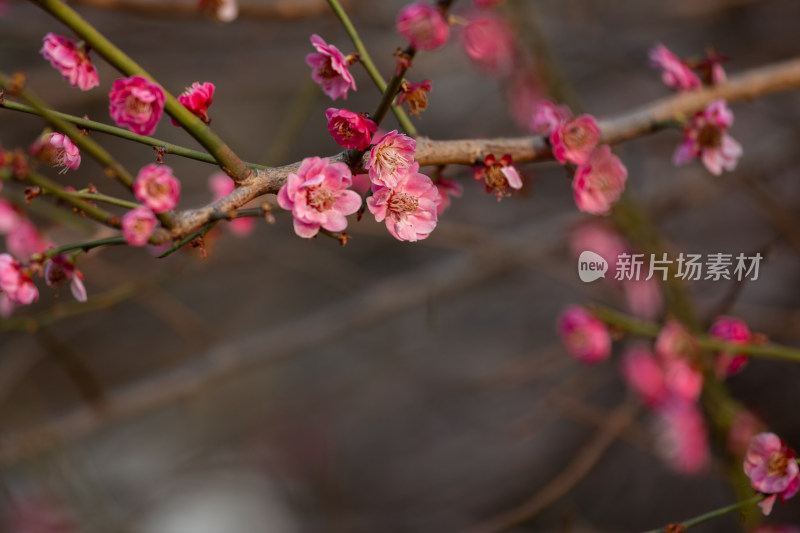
x=138, y=225
x=684, y=381
x=772, y=469
x=644, y=375
x=197, y=99
x=222, y=185
x=318, y=196
x=59, y=269
x=524, y=94
x=390, y=158
x=643, y=297
x=499, y=175
x=598, y=184
x=329, y=68
x=675, y=72
x=157, y=188
x=489, y=42
x=24, y=240
x=776, y=528
x=744, y=426
x=600, y=237
x=547, y=117
x=585, y=337
x=16, y=282
x=447, y=188
x=415, y=95
x=409, y=208
x=221, y=10
x=9, y=217
x=39, y=514
x=351, y=130
x=683, y=437
x=423, y=25
x=575, y=140
x=706, y=137
x=486, y=4
x=734, y=331
x=72, y=61
x=674, y=341
x=137, y=104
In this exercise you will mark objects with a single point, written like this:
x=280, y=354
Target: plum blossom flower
x=60, y=269
x=585, y=337
x=574, y=141
x=675, y=72
x=674, y=341
x=221, y=10
x=15, y=282
x=415, y=95
x=733, y=331
x=138, y=225
x=499, y=175
x=58, y=150
x=706, y=137
x=644, y=375
x=24, y=239
x=137, y=104
x=157, y=188
x=197, y=99
x=600, y=237
x=351, y=130
x=222, y=185
x=329, y=68
x=683, y=437
x=70, y=60
x=772, y=469
x=547, y=117
x=447, y=188
x=599, y=183
x=643, y=297
x=489, y=42
x=9, y=217
x=318, y=196
x=390, y=157
x=409, y=207
x=423, y=25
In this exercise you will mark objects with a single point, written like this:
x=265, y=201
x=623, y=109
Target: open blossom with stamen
x=706, y=137
x=157, y=188
x=585, y=337
x=351, y=130
x=423, y=25
x=598, y=184
x=222, y=185
x=734, y=331
x=60, y=269
x=15, y=282
x=547, y=117
x=772, y=469
x=197, y=99
x=138, y=225
x=409, y=207
x=675, y=72
x=574, y=140
x=499, y=175
x=489, y=42
x=318, y=196
x=415, y=95
x=137, y=104
x=329, y=69
x=58, y=150
x=72, y=61
x=390, y=158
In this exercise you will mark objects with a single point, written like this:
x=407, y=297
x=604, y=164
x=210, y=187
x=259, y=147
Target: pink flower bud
x=351, y=130
x=585, y=337
x=734, y=331
x=329, y=68
x=157, y=188
x=598, y=184
x=197, y=99
x=675, y=72
x=137, y=104
x=73, y=62
x=423, y=25
x=138, y=225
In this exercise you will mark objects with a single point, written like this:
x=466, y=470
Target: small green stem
x=714, y=514
x=199, y=233
x=51, y=187
x=82, y=246
x=103, y=198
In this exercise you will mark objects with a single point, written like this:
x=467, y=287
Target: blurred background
x=279, y=385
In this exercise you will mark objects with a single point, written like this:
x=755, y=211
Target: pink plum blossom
x=197, y=99
x=15, y=282
x=675, y=72
x=157, y=188
x=137, y=104
x=423, y=25
x=58, y=150
x=138, y=225
x=733, y=331
x=644, y=375
x=70, y=60
x=600, y=237
x=574, y=141
x=500, y=176
x=351, y=130
x=489, y=42
x=585, y=337
x=415, y=95
x=683, y=437
x=772, y=469
x=24, y=240
x=674, y=341
x=599, y=183
x=447, y=188
x=390, y=158
x=318, y=196
x=684, y=381
x=329, y=68
x=706, y=137
x=643, y=297
x=9, y=217
x=222, y=185
x=547, y=117
x=60, y=269
x=409, y=208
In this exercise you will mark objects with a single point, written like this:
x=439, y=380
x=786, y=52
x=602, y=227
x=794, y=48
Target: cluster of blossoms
x=159, y=191
x=771, y=466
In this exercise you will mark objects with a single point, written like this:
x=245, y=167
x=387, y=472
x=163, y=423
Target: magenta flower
x=644, y=375
x=329, y=69
x=706, y=137
x=447, y=188
x=58, y=150
x=318, y=196
x=71, y=60
x=770, y=465
x=585, y=337
x=409, y=208
x=15, y=282
x=137, y=104
x=574, y=141
x=197, y=99
x=675, y=72
x=60, y=269
x=222, y=185
x=423, y=26
x=489, y=42
x=390, y=158
x=157, y=188
x=548, y=117
x=138, y=225
x=351, y=130
x=733, y=331
x=500, y=176
x=415, y=95
x=598, y=184
x=683, y=437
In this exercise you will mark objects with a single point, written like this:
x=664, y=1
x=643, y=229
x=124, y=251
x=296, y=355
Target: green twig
x=82, y=246
x=714, y=514
x=199, y=233
x=51, y=187
x=103, y=198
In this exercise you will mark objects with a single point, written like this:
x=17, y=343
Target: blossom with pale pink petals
x=318, y=196
x=16, y=282
x=58, y=150
x=197, y=99
x=24, y=239
x=138, y=225
x=733, y=331
x=706, y=137
x=423, y=25
x=547, y=117
x=772, y=469
x=585, y=337
x=599, y=183
x=329, y=68
x=222, y=185
x=390, y=158
x=447, y=188
x=409, y=208
x=675, y=72
x=682, y=437
x=60, y=269
x=415, y=95
x=500, y=176
x=351, y=130
x=574, y=141
x=71, y=60
x=137, y=104
x=157, y=188
x=489, y=42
